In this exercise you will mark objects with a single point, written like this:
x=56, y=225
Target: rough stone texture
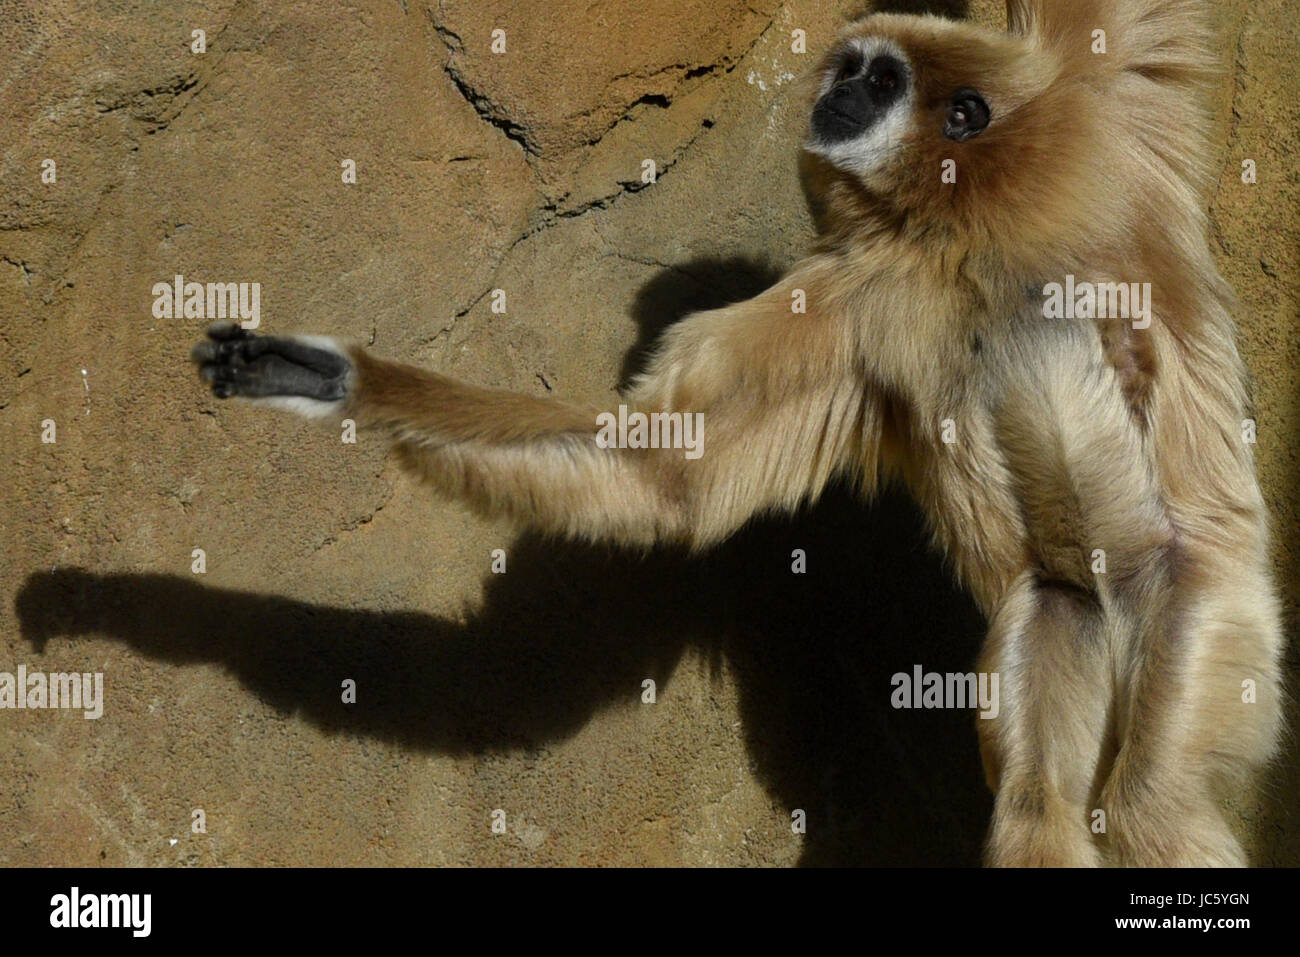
x=476, y=691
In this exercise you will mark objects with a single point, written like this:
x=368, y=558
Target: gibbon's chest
x=988, y=452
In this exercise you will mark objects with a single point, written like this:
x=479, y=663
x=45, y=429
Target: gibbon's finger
x=204, y=352
x=220, y=377
x=222, y=336
x=223, y=331
x=228, y=350
x=229, y=343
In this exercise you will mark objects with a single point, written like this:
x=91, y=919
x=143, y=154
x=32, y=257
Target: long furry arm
x=771, y=401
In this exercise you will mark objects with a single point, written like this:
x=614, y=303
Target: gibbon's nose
x=850, y=107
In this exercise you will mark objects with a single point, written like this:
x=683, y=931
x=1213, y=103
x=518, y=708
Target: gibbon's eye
x=968, y=115
x=883, y=75
x=850, y=68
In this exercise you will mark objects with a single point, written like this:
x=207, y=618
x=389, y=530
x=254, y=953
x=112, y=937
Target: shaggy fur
x=1122, y=690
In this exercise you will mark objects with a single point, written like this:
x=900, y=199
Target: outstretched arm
x=769, y=404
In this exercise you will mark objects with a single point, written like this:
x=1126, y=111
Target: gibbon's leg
x=1121, y=685
x=1043, y=751
x=1188, y=739
x=1063, y=638
x=772, y=400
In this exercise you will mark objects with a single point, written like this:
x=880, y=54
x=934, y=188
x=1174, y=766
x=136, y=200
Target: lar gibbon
x=1088, y=475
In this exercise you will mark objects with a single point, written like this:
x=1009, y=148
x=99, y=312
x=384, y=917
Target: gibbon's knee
x=1169, y=821
x=1034, y=826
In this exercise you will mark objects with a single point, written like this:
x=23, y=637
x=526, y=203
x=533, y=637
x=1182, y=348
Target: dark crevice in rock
x=19, y=264
x=491, y=112
x=551, y=213
x=155, y=107
x=487, y=110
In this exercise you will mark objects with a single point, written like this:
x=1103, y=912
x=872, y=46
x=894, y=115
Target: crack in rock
x=353, y=525
x=19, y=264
x=483, y=105
x=493, y=113
x=156, y=107
x=551, y=213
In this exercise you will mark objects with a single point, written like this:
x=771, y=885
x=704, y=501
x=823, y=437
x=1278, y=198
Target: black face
x=861, y=95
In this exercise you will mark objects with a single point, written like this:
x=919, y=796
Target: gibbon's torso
x=1030, y=443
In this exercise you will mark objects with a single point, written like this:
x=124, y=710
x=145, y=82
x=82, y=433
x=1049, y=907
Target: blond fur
x=1121, y=692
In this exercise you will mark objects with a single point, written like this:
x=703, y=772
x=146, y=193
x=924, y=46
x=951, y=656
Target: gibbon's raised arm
x=777, y=404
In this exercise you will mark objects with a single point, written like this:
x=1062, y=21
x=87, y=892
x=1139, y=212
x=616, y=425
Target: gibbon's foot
x=238, y=363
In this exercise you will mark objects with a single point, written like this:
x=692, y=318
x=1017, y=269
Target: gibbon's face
x=898, y=96
x=866, y=105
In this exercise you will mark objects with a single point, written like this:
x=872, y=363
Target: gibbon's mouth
x=833, y=124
